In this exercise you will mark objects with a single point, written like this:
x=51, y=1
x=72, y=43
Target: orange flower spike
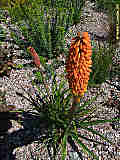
x=35, y=56
x=81, y=62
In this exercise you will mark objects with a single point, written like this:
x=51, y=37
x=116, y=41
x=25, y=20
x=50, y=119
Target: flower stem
x=76, y=100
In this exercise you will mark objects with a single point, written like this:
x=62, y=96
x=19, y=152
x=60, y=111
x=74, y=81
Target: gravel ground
x=17, y=134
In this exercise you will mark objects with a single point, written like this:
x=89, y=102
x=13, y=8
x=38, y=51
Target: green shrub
x=102, y=62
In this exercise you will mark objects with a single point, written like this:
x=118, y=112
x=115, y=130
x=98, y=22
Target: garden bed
x=21, y=140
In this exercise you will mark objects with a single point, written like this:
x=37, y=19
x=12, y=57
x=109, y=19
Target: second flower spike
x=35, y=56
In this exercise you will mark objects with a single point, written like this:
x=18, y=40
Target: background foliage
x=110, y=8
x=44, y=23
x=102, y=63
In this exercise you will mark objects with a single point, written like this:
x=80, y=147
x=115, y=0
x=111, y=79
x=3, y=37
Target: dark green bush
x=102, y=63
x=2, y=34
x=2, y=30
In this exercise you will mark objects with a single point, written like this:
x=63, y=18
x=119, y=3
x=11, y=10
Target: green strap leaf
x=91, y=140
x=97, y=133
x=85, y=149
x=81, y=114
x=98, y=122
x=87, y=103
x=64, y=147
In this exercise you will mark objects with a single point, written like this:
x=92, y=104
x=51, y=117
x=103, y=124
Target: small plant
x=3, y=106
x=2, y=34
x=65, y=117
x=2, y=30
x=6, y=62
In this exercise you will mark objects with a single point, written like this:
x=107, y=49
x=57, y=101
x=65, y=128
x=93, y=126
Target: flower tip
x=85, y=34
x=78, y=34
x=35, y=56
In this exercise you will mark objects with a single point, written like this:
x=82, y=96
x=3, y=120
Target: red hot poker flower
x=35, y=56
x=78, y=64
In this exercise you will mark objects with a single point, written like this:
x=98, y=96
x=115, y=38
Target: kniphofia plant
x=78, y=66
x=63, y=121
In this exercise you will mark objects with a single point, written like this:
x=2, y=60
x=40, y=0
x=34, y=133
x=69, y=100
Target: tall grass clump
x=43, y=24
